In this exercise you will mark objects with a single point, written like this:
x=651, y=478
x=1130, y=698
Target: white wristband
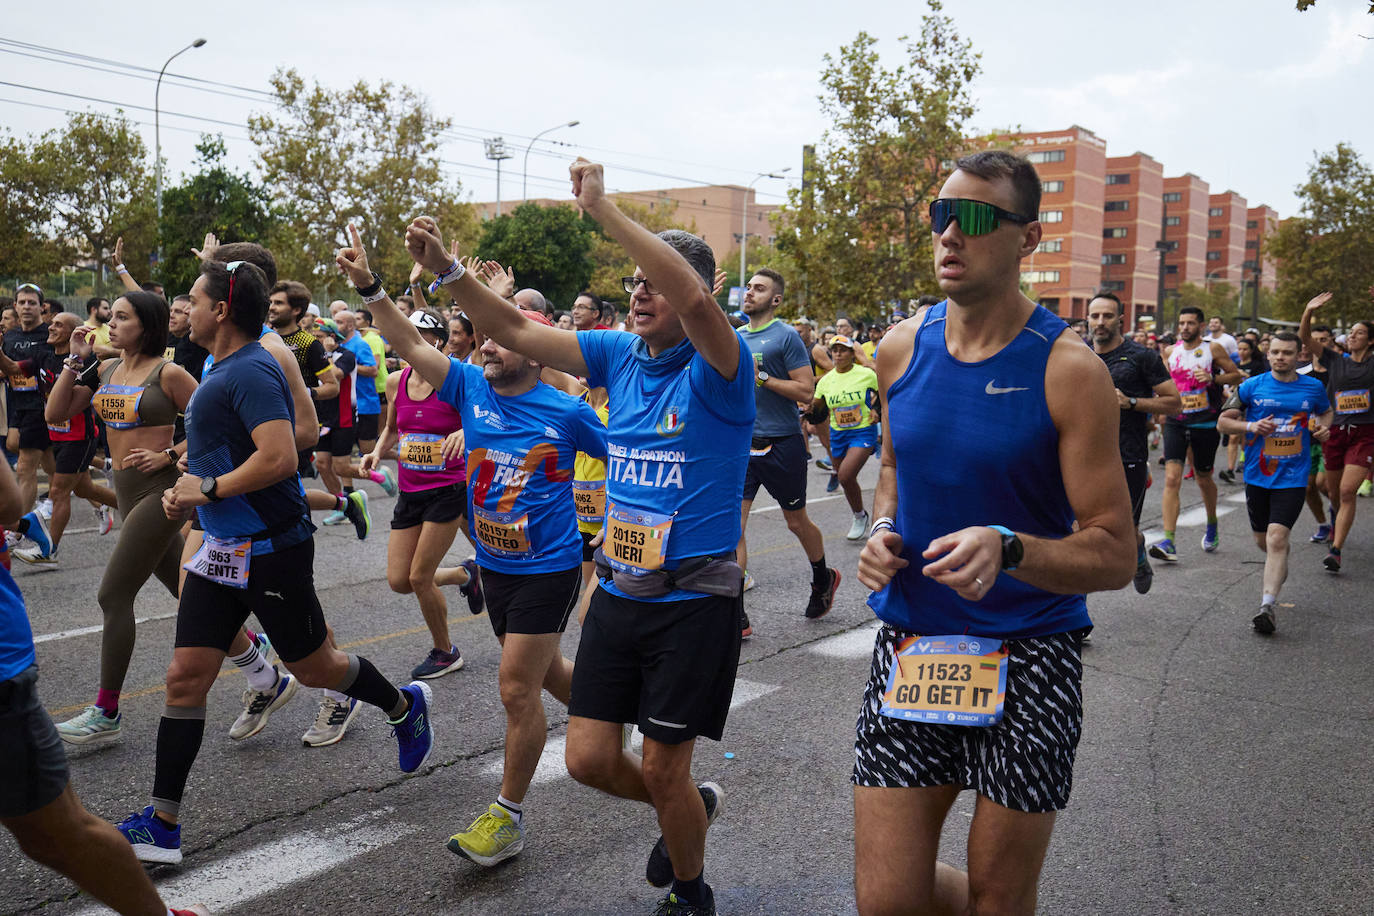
x=121, y=269
x=885, y=522
x=379, y=295
x=455, y=275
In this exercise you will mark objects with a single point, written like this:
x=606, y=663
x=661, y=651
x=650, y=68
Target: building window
x=1119, y=179
x=1214, y=233
x=1171, y=268
x=1050, y=245
x=1214, y=255
x=1171, y=246
x=1252, y=224
x=1114, y=286
x=1252, y=243
x=1113, y=259
x=1049, y=155
x=1250, y=265
x=1051, y=216
x=1172, y=220
x=1040, y=276
x=1216, y=211
x=1117, y=206
x=1118, y=232
x=1051, y=187
x=1173, y=197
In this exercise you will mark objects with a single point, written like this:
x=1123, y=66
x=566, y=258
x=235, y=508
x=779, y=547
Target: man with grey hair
x=661, y=639
x=532, y=300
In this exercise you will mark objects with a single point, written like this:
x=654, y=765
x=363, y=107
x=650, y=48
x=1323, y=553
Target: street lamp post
x=744, y=217
x=157, y=136
x=525, y=172
x=497, y=152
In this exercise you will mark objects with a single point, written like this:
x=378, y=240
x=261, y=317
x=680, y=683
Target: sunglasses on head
x=29, y=287
x=973, y=216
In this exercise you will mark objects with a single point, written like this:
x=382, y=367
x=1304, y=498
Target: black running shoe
x=1144, y=576
x=1332, y=562
x=823, y=598
x=673, y=905
x=1263, y=622
x=746, y=629
x=658, y=871
x=473, y=589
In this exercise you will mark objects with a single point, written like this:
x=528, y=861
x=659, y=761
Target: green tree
x=364, y=155
x=213, y=199
x=1328, y=245
x=609, y=261
x=89, y=183
x=859, y=233
x=26, y=238
x=547, y=247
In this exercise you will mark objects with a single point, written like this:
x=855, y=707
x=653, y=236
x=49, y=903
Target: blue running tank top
x=975, y=445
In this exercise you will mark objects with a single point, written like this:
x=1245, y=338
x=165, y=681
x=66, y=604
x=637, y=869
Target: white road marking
x=856, y=643
x=86, y=631
x=809, y=501
x=552, y=765
x=234, y=880
x=1236, y=498
x=1195, y=517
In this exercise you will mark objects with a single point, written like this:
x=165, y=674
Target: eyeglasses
x=594, y=308
x=630, y=283
x=974, y=217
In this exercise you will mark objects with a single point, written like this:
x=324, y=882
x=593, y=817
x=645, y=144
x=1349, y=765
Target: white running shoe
x=330, y=722
x=105, y=519
x=44, y=508
x=258, y=706
x=748, y=581
x=857, y=529
x=35, y=556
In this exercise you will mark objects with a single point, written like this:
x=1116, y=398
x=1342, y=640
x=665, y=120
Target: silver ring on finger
x=981, y=586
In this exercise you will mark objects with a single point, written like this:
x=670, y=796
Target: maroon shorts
x=1349, y=445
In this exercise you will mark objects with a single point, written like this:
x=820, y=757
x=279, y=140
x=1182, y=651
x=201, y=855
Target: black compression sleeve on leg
x=178, y=742
x=364, y=682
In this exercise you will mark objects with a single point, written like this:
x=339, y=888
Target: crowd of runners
x=604, y=462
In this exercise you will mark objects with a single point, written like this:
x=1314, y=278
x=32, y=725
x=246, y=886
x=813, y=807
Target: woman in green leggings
x=138, y=396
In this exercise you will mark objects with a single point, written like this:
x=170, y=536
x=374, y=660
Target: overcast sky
x=1240, y=92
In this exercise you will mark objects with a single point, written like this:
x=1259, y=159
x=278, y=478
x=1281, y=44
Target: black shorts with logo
x=33, y=767
x=1024, y=762
x=280, y=593
x=780, y=469
x=437, y=504
x=534, y=603
x=1137, y=482
x=668, y=666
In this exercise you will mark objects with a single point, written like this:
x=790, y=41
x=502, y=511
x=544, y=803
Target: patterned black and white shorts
x=1025, y=762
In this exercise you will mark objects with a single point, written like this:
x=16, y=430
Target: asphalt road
x=1219, y=772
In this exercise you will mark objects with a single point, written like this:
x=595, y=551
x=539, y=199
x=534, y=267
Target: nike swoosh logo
x=993, y=389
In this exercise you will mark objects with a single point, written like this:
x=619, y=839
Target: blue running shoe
x=1164, y=550
x=415, y=732
x=38, y=533
x=152, y=840
x=388, y=482
x=824, y=464
x=1210, y=539
x=264, y=644
x=833, y=483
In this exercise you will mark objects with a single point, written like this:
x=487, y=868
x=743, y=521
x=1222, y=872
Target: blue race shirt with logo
x=1007, y=473
x=366, y=394
x=1281, y=460
x=239, y=394
x=16, y=638
x=677, y=442
x=520, y=453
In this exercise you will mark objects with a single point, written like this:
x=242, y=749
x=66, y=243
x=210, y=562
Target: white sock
x=512, y=808
x=261, y=675
x=1268, y=600
x=336, y=696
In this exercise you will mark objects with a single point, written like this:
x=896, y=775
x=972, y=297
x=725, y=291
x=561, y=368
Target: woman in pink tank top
x=432, y=503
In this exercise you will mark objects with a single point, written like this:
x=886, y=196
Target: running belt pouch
x=720, y=576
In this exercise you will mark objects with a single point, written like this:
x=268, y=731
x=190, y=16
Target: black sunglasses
x=975, y=217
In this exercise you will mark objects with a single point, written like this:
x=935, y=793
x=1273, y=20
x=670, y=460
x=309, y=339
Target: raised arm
x=395, y=327
x=496, y=317
x=129, y=282
x=700, y=314
x=1305, y=325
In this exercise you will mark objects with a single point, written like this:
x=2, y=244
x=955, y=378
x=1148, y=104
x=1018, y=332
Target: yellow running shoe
x=493, y=838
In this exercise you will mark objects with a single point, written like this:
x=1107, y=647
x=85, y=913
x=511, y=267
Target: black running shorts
x=33, y=429
x=33, y=768
x=1280, y=506
x=1025, y=762
x=534, y=603
x=280, y=593
x=437, y=504
x=781, y=470
x=668, y=666
x=72, y=457
x=366, y=427
x=338, y=441
x=1204, y=442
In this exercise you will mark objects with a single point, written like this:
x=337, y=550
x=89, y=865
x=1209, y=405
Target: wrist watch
x=207, y=488
x=1013, y=551
x=762, y=376
x=171, y=454
x=1133, y=402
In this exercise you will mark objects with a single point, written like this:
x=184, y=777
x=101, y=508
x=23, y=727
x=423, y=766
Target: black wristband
x=371, y=288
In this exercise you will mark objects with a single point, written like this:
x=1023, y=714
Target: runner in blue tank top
x=661, y=639
x=1279, y=414
x=976, y=674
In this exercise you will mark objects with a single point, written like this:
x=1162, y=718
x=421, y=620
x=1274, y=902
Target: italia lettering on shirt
x=656, y=468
